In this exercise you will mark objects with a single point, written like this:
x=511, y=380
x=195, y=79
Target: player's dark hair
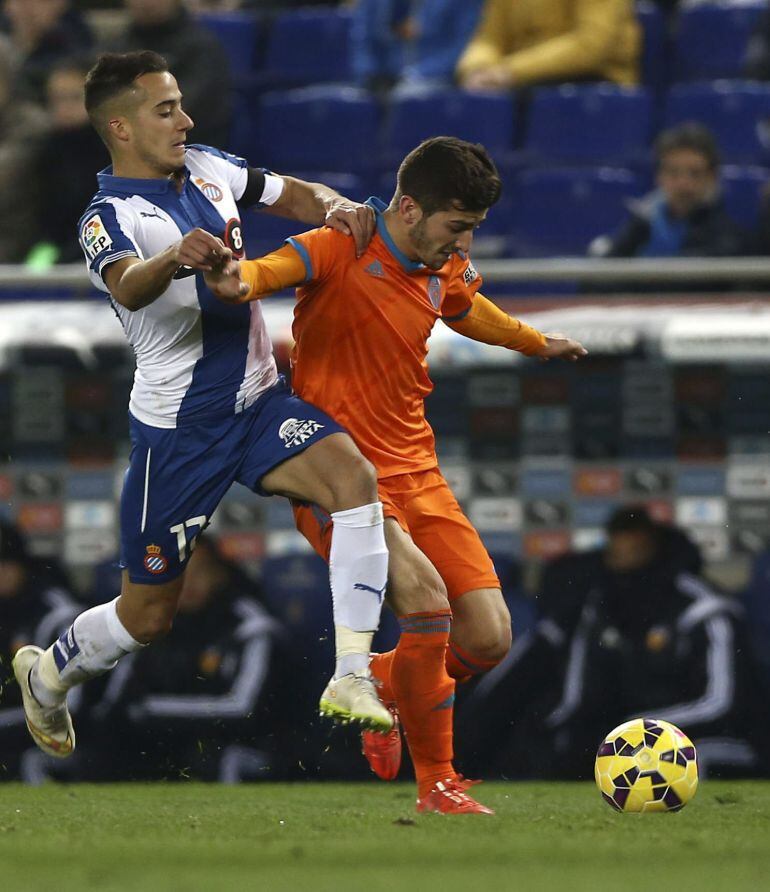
x=445, y=171
x=114, y=73
x=692, y=136
x=632, y=519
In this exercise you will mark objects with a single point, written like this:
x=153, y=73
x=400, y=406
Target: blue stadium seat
x=654, y=58
x=417, y=115
x=559, y=211
x=589, y=124
x=238, y=32
x=737, y=113
x=308, y=46
x=742, y=188
x=320, y=128
x=711, y=39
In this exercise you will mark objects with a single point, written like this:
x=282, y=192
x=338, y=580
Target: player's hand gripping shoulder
x=355, y=220
x=559, y=346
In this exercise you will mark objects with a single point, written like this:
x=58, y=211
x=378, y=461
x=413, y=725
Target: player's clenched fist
x=225, y=283
x=562, y=347
x=201, y=250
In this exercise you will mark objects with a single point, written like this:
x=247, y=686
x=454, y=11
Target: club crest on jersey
x=94, y=237
x=211, y=191
x=294, y=432
x=154, y=561
x=470, y=274
x=434, y=291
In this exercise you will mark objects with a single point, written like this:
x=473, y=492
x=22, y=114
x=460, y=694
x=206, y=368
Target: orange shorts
x=426, y=509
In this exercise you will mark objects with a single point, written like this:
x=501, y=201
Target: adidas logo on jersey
x=375, y=269
x=294, y=432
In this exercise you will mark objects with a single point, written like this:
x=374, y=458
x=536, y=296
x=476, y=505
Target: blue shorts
x=177, y=477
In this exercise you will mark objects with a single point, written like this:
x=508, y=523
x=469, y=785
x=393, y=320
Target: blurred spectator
x=22, y=126
x=528, y=42
x=684, y=216
x=42, y=33
x=628, y=630
x=379, y=34
x=194, y=54
x=71, y=137
x=35, y=606
x=757, y=65
x=214, y=699
x=411, y=41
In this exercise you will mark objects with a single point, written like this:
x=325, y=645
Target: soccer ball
x=646, y=765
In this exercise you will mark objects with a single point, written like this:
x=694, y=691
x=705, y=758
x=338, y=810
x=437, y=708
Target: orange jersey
x=361, y=329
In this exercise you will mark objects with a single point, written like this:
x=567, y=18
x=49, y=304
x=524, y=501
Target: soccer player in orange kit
x=361, y=327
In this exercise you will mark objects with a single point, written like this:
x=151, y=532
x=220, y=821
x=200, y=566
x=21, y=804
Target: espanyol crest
x=294, y=432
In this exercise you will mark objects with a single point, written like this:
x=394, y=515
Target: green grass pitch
x=316, y=837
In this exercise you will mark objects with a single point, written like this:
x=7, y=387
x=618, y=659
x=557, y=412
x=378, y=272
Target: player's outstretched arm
x=239, y=282
x=487, y=323
x=319, y=205
x=136, y=283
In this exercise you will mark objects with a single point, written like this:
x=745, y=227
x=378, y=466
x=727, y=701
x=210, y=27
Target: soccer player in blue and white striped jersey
x=208, y=407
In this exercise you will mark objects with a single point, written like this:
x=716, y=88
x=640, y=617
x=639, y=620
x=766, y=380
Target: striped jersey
x=196, y=357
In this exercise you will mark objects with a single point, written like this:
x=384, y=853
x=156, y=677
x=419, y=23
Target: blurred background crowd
x=626, y=503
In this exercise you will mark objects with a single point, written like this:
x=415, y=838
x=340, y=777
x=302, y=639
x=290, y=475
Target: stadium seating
x=602, y=124
x=308, y=46
x=654, y=64
x=416, y=115
x=711, y=39
x=742, y=188
x=239, y=32
x=737, y=113
x=559, y=211
x=320, y=128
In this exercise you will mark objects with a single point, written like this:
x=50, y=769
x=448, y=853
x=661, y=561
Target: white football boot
x=50, y=727
x=353, y=698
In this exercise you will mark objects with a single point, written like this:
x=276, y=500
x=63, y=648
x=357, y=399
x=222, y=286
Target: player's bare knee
x=489, y=638
x=354, y=484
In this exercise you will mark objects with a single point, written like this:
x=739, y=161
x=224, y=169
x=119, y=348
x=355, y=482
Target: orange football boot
x=383, y=748
x=448, y=797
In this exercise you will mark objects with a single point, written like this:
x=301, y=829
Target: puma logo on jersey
x=153, y=214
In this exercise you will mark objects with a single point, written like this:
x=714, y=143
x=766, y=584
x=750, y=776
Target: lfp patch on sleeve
x=470, y=274
x=94, y=237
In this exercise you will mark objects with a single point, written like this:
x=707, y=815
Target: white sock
x=93, y=644
x=358, y=571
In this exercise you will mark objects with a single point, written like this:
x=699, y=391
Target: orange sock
x=462, y=665
x=379, y=666
x=425, y=695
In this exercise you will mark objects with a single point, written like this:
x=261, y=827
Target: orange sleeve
x=281, y=269
x=487, y=323
x=461, y=288
x=308, y=257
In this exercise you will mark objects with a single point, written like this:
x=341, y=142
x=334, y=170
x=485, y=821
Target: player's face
x=158, y=125
x=686, y=180
x=436, y=237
